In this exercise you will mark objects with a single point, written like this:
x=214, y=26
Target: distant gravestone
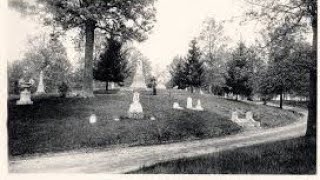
x=138, y=78
x=40, y=88
x=112, y=85
x=93, y=119
x=201, y=92
x=135, y=109
x=175, y=87
x=246, y=122
x=198, y=106
x=249, y=117
x=189, y=103
x=234, y=116
x=177, y=106
x=116, y=118
x=152, y=118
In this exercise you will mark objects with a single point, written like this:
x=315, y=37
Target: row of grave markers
x=198, y=107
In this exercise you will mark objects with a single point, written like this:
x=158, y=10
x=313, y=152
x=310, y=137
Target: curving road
x=121, y=160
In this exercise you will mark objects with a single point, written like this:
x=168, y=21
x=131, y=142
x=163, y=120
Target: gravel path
x=121, y=160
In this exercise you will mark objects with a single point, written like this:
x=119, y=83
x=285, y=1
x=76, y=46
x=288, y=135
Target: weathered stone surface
x=135, y=110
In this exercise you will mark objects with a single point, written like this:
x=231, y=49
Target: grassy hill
x=54, y=124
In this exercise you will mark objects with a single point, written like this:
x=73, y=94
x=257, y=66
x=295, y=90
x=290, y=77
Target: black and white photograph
x=159, y=87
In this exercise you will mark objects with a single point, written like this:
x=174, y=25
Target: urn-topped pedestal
x=135, y=110
x=25, y=94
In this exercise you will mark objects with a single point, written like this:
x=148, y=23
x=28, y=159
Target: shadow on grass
x=57, y=124
x=295, y=156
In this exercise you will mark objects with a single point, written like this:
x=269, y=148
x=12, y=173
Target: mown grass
x=54, y=124
x=300, y=104
x=295, y=156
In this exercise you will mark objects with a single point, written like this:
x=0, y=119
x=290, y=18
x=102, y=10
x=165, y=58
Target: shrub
x=63, y=89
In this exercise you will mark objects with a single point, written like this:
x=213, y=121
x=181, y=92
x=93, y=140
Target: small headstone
x=186, y=89
x=249, y=118
x=234, y=116
x=201, y=92
x=112, y=85
x=198, y=106
x=93, y=119
x=135, y=109
x=189, y=103
x=116, y=119
x=152, y=118
x=175, y=87
x=249, y=115
x=177, y=106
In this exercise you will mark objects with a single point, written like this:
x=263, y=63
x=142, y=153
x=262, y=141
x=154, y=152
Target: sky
x=178, y=22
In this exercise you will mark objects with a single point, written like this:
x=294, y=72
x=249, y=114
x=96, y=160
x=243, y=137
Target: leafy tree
x=212, y=41
x=255, y=68
x=111, y=65
x=176, y=69
x=193, y=69
x=296, y=13
x=237, y=72
x=130, y=20
x=45, y=55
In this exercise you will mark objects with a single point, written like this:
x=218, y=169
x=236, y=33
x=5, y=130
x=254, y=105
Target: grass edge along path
x=123, y=160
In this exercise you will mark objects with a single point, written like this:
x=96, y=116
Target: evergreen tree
x=178, y=77
x=129, y=20
x=111, y=65
x=194, y=70
x=238, y=72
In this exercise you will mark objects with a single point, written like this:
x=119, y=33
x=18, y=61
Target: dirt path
x=121, y=160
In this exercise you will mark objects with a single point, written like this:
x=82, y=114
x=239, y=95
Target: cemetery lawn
x=293, y=156
x=54, y=124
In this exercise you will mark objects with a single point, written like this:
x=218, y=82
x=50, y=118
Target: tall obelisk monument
x=138, y=78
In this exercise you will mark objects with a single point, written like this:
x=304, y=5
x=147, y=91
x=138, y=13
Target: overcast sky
x=178, y=21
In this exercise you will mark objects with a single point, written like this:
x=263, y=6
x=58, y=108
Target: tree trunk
x=312, y=106
x=281, y=100
x=107, y=86
x=88, y=69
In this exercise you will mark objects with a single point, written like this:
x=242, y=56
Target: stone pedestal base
x=25, y=98
x=135, y=111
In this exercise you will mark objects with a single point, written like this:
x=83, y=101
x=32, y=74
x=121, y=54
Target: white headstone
x=201, y=92
x=40, y=88
x=152, y=118
x=189, y=103
x=249, y=115
x=135, y=109
x=198, y=106
x=93, y=119
x=234, y=116
x=249, y=118
x=177, y=106
x=186, y=89
x=112, y=85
